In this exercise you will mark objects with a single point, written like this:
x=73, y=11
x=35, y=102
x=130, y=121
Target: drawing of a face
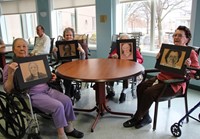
x=126, y=48
x=33, y=68
x=172, y=58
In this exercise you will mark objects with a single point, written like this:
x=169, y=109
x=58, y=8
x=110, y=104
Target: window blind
x=61, y=4
x=17, y=7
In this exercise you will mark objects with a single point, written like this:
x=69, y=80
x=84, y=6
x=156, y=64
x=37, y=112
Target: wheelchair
x=175, y=128
x=17, y=116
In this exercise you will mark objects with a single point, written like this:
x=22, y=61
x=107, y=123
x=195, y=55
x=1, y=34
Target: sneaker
x=75, y=133
x=122, y=97
x=145, y=121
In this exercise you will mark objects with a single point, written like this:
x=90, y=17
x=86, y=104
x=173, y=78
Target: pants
x=56, y=103
x=147, y=94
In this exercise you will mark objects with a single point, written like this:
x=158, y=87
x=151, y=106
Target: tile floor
x=110, y=126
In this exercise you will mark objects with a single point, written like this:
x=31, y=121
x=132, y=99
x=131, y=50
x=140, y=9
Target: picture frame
x=126, y=49
x=67, y=50
x=172, y=58
x=29, y=67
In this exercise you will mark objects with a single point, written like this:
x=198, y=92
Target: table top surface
x=5, y=50
x=99, y=70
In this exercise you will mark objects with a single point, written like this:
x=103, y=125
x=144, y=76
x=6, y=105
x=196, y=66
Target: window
x=82, y=19
x=169, y=14
x=23, y=26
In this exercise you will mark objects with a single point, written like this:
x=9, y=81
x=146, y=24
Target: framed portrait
x=172, y=58
x=126, y=49
x=32, y=71
x=67, y=50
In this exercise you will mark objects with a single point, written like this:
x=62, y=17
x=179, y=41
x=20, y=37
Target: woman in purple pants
x=43, y=97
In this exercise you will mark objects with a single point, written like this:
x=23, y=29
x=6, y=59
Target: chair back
x=83, y=41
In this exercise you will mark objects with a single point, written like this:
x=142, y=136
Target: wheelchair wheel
x=12, y=123
x=34, y=136
x=175, y=130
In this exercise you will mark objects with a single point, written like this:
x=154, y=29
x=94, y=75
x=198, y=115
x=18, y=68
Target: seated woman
x=150, y=89
x=43, y=97
x=68, y=35
x=113, y=54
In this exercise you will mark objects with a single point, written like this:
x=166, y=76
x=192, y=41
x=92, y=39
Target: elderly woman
x=43, y=97
x=150, y=89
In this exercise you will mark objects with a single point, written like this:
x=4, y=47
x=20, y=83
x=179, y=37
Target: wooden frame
x=35, y=64
x=172, y=58
x=129, y=44
x=67, y=50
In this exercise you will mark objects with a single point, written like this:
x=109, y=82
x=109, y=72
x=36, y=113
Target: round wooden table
x=100, y=71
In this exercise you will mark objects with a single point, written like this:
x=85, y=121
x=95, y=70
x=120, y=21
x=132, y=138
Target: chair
x=51, y=53
x=83, y=41
x=17, y=117
x=160, y=98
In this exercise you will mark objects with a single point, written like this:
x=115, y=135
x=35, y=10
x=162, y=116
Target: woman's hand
x=114, y=56
x=12, y=67
x=158, y=55
x=53, y=76
x=188, y=62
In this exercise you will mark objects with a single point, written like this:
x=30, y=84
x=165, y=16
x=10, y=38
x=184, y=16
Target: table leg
x=101, y=105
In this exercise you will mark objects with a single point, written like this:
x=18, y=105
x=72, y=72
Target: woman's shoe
x=130, y=123
x=75, y=133
x=145, y=121
x=110, y=95
x=122, y=97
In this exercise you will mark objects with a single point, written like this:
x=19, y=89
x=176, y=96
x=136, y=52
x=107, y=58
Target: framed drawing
x=172, y=58
x=32, y=71
x=67, y=50
x=126, y=49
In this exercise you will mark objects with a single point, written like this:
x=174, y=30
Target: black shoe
x=130, y=123
x=122, y=97
x=145, y=121
x=75, y=133
x=110, y=95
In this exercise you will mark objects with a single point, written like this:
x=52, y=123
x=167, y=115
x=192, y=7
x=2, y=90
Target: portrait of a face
x=33, y=70
x=67, y=49
x=172, y=58
x=126, y=51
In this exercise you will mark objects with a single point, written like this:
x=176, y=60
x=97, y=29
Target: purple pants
x=54, y=102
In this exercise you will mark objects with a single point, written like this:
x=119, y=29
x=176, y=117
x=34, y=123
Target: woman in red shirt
x=149, y=90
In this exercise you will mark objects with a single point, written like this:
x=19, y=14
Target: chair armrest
x=174, y=81
x=197, y=74
x=148, y=71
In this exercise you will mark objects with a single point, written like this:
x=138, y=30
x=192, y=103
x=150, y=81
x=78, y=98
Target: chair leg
x=155, y=116
x=186, y=108
x=169, y=103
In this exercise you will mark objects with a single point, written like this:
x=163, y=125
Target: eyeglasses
x=178, y=35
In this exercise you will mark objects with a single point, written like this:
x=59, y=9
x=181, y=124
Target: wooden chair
x=168, y=83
